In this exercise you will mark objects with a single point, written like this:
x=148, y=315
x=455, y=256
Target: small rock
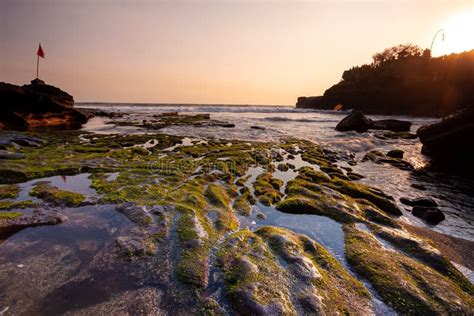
x=421, y=202
x=396, y=153
x=392, y=125
x=418, y=186
x=261, y=216
x=227, y=125
x=257, y=127
x=356, y=121
x=432, y=215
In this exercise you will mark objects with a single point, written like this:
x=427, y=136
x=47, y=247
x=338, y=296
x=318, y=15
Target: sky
x=215, y=52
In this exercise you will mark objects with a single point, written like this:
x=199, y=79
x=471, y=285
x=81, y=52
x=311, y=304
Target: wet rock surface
x=212, y=226
x=20, y=221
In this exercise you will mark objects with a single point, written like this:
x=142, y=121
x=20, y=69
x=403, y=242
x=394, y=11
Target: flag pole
x=37, y=65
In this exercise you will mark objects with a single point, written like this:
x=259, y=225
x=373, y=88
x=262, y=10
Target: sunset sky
x=227, y=52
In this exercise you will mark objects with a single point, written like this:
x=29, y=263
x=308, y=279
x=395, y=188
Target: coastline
x=150, y=199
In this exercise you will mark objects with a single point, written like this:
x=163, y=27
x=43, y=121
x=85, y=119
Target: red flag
x=40, y=52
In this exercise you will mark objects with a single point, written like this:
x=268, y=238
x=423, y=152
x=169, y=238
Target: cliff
x=409, y=84
x=37, y=106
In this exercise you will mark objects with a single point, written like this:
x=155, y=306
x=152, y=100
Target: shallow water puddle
x=52, y=269
x=79, y=183
x=320, y=228
x=253, y=172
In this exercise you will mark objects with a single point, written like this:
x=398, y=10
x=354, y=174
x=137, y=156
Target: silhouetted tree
x=396, y=52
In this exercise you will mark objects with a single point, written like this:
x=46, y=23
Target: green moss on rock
x=11, y=205
x=267, y=189
x=407, y=285
x=48, y=193
x=9, y=215
x=9, y=191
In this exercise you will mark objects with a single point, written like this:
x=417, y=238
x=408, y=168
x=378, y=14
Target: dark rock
x=392, y=125
x=396, y=153
x=421, y=202
x=257, y=127
x=356, y=121
x=450, y=143
x=227, y=125
x=431, y=215
x=38, y=106
x=261, y=216
x=380, y=158
x=418, y=186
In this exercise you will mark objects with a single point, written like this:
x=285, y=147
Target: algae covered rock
x=56, y=196
x=13, y=222
x=407, y=285
x=275, y=271
x=267, y=189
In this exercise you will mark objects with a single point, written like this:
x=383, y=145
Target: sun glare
x=459, y=34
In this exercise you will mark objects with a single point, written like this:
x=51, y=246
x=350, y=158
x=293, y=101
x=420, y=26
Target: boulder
x=421, y=202
x=38, y=106
x=395, y=153
x=356, y=121
x=450, y=143
x=431, y=215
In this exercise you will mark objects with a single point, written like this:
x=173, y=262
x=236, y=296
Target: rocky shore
x=164, y=225
x=38, y=106
x=155, y=224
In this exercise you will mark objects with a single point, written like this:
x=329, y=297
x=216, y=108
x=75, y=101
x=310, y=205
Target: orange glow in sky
x=459, y=34
x=221, y=51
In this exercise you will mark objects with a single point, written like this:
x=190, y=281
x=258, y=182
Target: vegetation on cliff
x=403, y=79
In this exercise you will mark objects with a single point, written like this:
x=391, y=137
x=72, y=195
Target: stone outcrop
x=357, y=121
x=38, y=106
x=450, y=143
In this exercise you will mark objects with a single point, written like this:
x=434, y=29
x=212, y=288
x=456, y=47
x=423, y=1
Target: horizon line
x=185, y=104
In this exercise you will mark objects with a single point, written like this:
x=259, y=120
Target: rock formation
x=450, y=142
x=38, y=106
x=356, y=121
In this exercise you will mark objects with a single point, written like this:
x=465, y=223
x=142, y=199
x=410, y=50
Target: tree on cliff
x=397, y=52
